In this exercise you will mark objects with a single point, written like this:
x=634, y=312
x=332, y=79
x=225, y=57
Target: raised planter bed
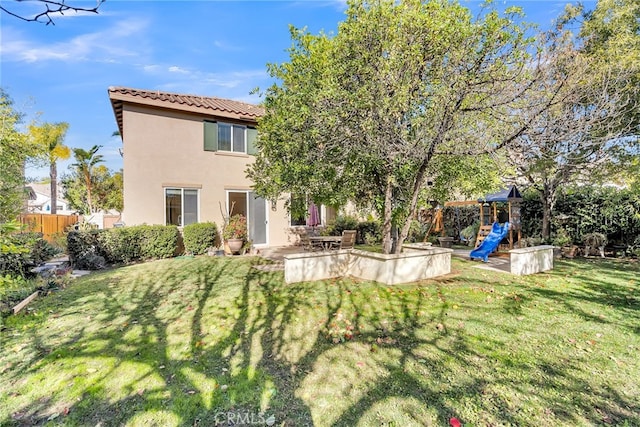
x=531, y=260
x=410, y=266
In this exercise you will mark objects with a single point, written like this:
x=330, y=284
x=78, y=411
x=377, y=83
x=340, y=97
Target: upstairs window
x=232, y=138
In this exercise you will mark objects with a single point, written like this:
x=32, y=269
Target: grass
x=208, y=341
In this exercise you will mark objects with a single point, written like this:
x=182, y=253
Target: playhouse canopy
x=508, y=194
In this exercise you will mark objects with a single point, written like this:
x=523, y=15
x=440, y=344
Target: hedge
x=92, y=249
x=198, y=238
x=589, y=209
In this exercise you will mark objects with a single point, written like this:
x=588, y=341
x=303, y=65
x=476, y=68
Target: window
x=303, y=212
x=181, y=206
x=229, y=137
x=232, y=138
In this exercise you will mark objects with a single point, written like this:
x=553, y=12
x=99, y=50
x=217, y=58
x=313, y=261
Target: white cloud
x=176, y=69
x=109, y=44
x=150, y=68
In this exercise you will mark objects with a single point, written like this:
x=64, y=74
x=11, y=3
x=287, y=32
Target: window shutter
x=252, y=135
x=210, y=136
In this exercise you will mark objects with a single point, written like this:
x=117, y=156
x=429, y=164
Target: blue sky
x=211, y=48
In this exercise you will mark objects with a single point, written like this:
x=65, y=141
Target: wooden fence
x=48, y=224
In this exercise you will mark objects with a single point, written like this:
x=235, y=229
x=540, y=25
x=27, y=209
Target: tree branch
x=52, y=8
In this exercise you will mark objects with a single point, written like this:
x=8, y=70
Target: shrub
x=21, y=252
x=59, y=241
x=121, y=245
x=90, y=261
x=369, y=232
x=39, y=249
x=561, y=238
x=417, y=232
x=341, y=223
x=200, y=237
x=470, y=233
x=634, y=248
x=83, y=247
x=159, y=241
x=13, y=289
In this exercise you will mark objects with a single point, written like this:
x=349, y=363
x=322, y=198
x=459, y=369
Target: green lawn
x=199, y=341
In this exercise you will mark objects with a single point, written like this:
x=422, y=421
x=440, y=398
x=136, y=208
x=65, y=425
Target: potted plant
x=235, y=233
x=445, y=242
x=561, y=242
x=594, y=241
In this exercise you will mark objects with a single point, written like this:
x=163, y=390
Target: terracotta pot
x=235, y=245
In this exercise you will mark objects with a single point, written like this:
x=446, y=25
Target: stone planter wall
x=390, y=269
x=306, y=267
x=531, y=260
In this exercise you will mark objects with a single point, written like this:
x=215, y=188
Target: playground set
x=499, y=220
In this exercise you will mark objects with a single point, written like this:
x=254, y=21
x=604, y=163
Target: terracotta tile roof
x=210, y=106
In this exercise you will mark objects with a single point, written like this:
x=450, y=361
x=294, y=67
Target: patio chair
x=347, y=241
x=307, y=244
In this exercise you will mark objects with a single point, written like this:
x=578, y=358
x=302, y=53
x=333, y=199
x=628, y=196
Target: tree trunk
x=395, y=247
x=388, y=211
x=413, y=205
x=53, y=175
x=546, y=220
x=88, y=184
x=547, y=197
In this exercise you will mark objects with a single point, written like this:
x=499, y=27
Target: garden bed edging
x=390, y=269
x=531, y=260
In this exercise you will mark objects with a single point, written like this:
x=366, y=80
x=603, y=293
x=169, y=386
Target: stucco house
x=39, y=200
x=185, y=158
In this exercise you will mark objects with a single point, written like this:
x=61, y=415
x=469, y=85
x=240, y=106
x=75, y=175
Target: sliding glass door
x=254, y=208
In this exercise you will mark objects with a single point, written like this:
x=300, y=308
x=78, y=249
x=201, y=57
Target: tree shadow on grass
x=212, y=341
x=609, y=290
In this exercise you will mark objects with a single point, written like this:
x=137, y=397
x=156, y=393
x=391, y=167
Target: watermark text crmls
x=244, y=418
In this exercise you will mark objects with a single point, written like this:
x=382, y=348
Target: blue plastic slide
x=491, y=242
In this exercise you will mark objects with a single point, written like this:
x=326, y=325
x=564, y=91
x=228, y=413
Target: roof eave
x=118, y=100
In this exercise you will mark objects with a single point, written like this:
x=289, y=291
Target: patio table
x=325, y=241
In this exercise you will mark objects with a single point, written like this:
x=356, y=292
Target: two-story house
x=185, y=159
x=39, y=200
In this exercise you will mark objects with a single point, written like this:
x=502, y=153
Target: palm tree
x=86, y=160
x=50, y=137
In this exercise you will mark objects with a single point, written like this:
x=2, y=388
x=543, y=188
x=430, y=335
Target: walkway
x=58, y=266
x=496, y=263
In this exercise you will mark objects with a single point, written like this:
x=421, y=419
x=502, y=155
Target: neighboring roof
x=504, y=195
x=44, y=189
x=210, y=106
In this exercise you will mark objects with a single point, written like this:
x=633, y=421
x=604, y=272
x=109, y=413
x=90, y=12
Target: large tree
x=611, y=39
x=590, y=132
x=404, y=92
x=12, y=159
x=579, y=136
x=50, y=137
